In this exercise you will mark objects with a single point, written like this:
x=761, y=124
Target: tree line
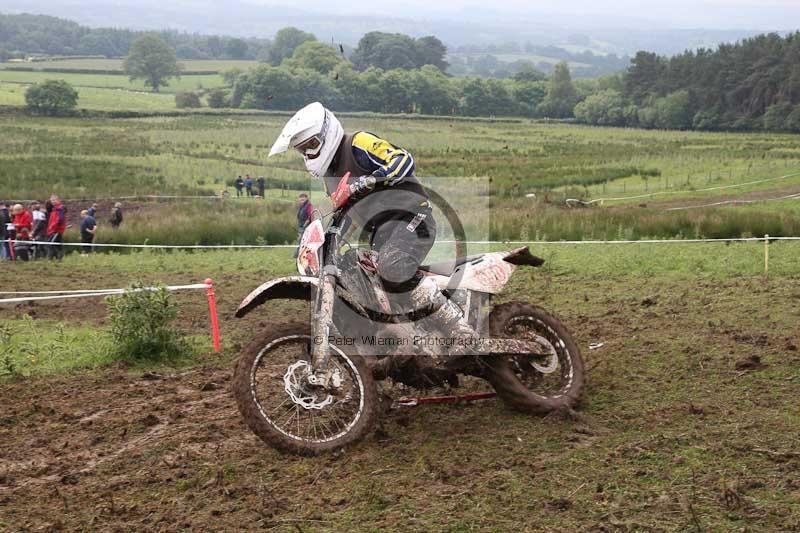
x=751, y=85
x=24, y=35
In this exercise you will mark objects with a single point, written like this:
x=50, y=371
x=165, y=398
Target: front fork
x=321, y=374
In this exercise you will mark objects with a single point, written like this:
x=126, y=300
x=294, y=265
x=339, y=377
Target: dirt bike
x=304, y=389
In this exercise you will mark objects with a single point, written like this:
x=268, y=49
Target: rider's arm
x=388, y=163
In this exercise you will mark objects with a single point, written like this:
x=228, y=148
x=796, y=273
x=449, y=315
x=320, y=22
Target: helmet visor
x=310, y=147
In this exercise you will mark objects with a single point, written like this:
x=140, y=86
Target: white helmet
x=316, y=133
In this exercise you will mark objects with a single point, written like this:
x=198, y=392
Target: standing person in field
x=248, y=184
x=261, y=184
x=88, y=229
x=39, y=221
x=23, y=225
x=239, y=184
x=116, y=216
x=56, y=226
x=39, y=227
x=305, y=215
x=5, y=220
x=92, y=211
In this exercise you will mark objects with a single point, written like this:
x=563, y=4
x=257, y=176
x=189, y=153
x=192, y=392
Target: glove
x=362, y=185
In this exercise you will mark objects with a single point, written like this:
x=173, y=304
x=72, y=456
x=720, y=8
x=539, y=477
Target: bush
x=776, y=115
x=187, y=99
x=218, y=98
x=51, y=97
x=141, y=324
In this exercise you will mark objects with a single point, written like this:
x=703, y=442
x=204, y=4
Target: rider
x=397, y=219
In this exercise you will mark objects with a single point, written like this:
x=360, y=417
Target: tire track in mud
x=99, y=435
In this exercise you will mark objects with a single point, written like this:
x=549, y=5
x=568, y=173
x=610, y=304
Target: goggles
x=310, y=147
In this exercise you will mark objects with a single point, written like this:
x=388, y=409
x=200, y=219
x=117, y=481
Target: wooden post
x=766, y=255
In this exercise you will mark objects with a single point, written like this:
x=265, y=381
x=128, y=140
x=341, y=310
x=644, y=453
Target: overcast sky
x=718, y=14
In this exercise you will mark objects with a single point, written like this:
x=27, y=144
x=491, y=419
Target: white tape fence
x=208, y=286
x=510, y=242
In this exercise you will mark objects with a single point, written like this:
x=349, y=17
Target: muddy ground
x=690, y=422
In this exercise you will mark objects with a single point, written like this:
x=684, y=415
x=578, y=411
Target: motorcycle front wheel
x=289, y=414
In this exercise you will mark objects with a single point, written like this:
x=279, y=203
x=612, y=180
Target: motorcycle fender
x=288, y=288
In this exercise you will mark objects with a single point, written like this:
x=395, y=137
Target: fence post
x=766, y=254
x=212, y=312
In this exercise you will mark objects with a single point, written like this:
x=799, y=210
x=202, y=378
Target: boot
x=449, y=338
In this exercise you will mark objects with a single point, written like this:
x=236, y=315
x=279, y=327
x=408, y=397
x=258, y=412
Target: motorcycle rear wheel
x=519, y=383
x=290, y=415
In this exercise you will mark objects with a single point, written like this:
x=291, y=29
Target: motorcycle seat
x=446, y=268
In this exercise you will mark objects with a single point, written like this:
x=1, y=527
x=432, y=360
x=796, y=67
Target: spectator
x=56, y=226
x=305, y=215
x=116, y=216
x=23, y=220
x=261, y=185
x=88, y=229
x=5, y=220
x=92, y=211
x=39, y=221
x=39, y=226
x=248, y=184
x=23, y=224
x=239, y=184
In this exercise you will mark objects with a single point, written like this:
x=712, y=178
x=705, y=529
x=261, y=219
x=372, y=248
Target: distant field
x=184, y=83
x=99, y=99
x=218, y=65
x=194, y=154
x=510, y=58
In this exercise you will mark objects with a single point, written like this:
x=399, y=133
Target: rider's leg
x=400, y=253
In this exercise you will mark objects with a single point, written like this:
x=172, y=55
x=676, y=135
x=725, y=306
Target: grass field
x=675, y=433
x=196, y=154
x=113, y=81
x=218, y=65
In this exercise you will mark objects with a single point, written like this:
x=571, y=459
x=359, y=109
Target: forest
x=750, y=85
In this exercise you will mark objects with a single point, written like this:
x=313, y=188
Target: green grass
x=219, y=65
x=30, y=347
x=121, y=81
x=197, y=154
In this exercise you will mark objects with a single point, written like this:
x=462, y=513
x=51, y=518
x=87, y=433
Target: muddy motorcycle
x=304, y=389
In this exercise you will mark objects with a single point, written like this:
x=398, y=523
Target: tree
x=314, y=55
x=644, y=76
x=152, y=60
x=218, y=98
x=793, y=120
x=529, y=95
x=236, y=49
x=187, y=99
x=561, y=94
x=432, y=51
x=527, y=72
x=394, y=50
x=51, y=97
x=674, y=111
x=776, y=115
x=606, y=108
x=285, y=43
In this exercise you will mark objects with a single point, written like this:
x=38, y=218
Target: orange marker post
x=212, y=312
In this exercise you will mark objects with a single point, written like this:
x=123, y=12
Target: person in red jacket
x=56, y=226
x=23, y=224
x=23, y=220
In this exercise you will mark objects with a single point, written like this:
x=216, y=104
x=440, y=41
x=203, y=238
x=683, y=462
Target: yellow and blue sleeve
x=382, y=158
